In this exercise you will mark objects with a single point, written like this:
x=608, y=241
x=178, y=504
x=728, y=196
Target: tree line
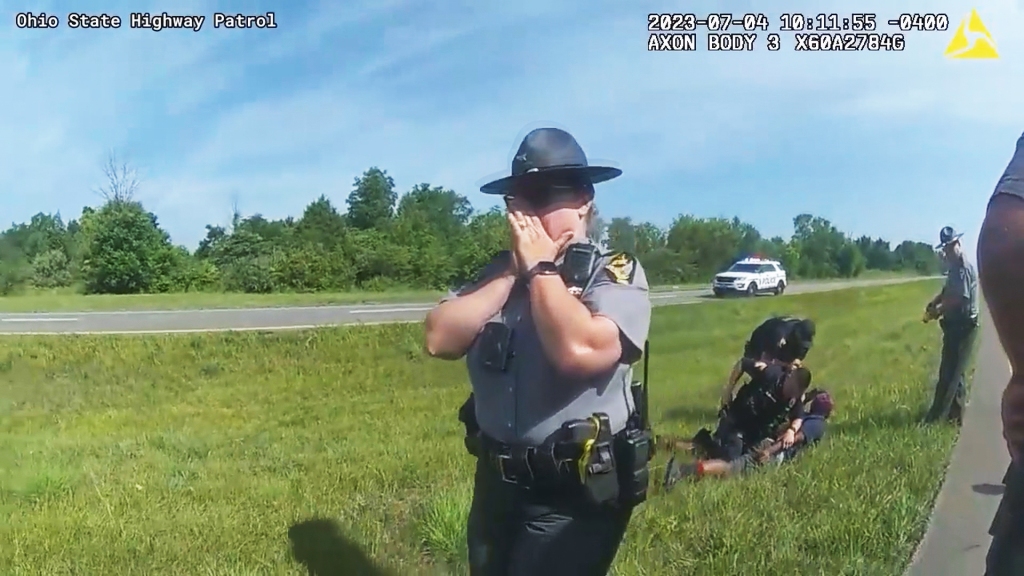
x=427, y=238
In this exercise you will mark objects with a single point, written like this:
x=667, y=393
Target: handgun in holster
x=467, y=415
x=596, y=468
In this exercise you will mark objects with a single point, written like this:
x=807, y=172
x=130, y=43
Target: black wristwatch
x=545, y=268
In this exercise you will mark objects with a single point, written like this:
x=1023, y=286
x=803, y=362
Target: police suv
x=751, y=276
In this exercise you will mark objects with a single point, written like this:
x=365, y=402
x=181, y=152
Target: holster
x=597, y=470
x=467, y=415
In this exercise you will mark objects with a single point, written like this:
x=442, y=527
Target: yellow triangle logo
x=961, y=47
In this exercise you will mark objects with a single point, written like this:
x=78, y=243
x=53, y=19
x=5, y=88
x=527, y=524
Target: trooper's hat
x=550, y=156
x=947, y=236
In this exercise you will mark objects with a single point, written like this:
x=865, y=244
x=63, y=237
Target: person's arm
x=730, y=385
x=453, y=325
x=796, y=421
x=606, y=326
x=776, y=447
x=743, y=366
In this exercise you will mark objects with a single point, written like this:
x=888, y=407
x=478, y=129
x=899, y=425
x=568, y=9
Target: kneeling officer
x=550, y=330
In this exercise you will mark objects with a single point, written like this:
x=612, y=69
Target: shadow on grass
x=321, y=547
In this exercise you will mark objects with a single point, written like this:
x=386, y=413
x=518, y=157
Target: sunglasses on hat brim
x=544, y=192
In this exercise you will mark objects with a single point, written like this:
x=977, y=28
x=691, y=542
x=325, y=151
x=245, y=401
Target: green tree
x=51, y=269
x=126, y=251
x=372, y=203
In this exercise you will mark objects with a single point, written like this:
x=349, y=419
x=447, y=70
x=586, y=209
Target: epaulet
x=621, y=267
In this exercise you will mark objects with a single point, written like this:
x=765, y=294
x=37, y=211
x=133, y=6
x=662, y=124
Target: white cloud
x=439, y=95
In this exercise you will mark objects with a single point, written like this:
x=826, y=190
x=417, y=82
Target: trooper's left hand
x=531, y=242
x=788, y=438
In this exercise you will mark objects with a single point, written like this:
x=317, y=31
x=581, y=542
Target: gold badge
x=620, y=267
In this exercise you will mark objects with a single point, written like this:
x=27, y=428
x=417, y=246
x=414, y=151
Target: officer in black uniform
x=773, y=395
x=783, y=339
x=550, y=330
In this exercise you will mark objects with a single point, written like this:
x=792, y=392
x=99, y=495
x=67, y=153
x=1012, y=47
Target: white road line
x=659, y=296
x=38, y=319
x=42, y=317
x=391, y=310
x=206, y=330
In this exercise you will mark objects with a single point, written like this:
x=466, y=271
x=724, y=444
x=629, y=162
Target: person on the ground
x=549, y=331
x=1001, y=270
x=956, y=307
x=818, y=408
x=783, y=339
x=772, y=396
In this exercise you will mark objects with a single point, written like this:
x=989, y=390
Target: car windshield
x=744, y=268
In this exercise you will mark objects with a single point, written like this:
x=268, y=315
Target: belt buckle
x=503, y=457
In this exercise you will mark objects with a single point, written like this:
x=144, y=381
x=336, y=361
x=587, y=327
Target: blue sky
x=890, y=144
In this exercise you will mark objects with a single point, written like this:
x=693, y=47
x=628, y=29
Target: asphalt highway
x=291, y=318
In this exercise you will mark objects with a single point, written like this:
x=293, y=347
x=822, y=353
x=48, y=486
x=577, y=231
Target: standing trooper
x=549, y=331
x=1001, y=265
x=956, y=306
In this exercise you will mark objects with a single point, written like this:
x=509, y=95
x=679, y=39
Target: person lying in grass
x=771, y=449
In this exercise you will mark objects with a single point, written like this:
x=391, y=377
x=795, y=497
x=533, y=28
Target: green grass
x=68, y=300
x=217, y=453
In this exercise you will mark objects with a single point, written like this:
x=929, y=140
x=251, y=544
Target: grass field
x=67, y=300
x=235, y=454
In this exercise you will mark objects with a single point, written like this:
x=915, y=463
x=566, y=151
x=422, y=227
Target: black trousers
x=951, y=390
x=515, y=532
x=1006, y=553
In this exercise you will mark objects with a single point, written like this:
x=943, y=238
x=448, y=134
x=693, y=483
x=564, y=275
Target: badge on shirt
x=621, y=268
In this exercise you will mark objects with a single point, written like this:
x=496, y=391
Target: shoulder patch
x=621, y=267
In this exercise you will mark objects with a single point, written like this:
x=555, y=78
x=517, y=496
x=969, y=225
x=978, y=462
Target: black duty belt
x=550, y=464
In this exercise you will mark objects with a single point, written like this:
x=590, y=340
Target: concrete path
x=957, y=538
x=263, y=319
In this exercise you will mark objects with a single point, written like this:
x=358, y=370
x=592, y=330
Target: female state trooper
x=549, y=331
x=1001, y=271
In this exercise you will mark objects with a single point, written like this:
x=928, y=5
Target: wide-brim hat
x=947, y=236
x=550, y=155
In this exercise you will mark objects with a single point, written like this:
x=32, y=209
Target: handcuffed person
x=550, y=330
